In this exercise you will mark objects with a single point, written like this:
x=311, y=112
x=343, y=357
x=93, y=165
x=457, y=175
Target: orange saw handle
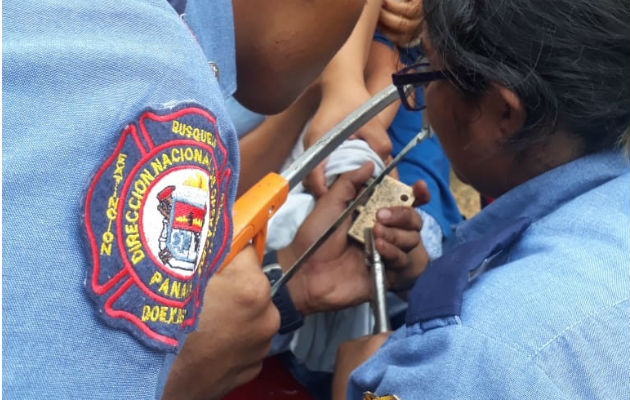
x=252, y=211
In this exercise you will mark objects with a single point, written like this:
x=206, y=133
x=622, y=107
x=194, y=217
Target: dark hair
x=568, y=60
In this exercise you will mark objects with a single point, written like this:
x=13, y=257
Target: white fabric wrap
x=315, y=343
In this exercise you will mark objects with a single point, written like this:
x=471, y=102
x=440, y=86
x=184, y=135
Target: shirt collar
x=212, y=23
x=544, y=193
x=479, y=242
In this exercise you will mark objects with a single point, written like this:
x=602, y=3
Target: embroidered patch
x=372, y=396
x=157, y=224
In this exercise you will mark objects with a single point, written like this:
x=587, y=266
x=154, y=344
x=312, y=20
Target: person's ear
x=508, y=110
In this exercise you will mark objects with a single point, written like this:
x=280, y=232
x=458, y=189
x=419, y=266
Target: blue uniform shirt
x=76, y=75
x=536, y=305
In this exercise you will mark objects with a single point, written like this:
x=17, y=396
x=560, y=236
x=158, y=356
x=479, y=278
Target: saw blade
x=360, y=199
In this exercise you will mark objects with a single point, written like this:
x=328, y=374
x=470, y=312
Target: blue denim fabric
x=550, y=321
x=74, y=74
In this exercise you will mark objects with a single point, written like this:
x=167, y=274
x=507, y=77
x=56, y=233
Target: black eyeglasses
x=419, y=74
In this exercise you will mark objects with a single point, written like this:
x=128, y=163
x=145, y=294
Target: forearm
x=383, y=61
x=265, y=148
x=350, y=355
x=349, y=63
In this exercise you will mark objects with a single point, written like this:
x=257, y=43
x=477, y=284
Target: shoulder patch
x=157, y=224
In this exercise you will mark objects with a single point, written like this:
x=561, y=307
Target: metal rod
x=360, y=199
x=377, y=268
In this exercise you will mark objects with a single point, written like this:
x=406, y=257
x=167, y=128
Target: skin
x=359, y=70
x=332, y=110
x=350, y=355
x=266, y=147
x=343, y=90
x=400, y=21
x=221, y=355
x=283, y=45
x=382, y=63
x=476, y=135
x=336, y=276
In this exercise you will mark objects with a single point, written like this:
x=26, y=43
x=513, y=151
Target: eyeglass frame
x=402, y=78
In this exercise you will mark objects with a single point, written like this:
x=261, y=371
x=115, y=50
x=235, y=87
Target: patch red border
x=148, y=149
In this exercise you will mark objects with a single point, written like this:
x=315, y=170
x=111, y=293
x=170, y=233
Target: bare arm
x=266, y=147
x=349, y=62
x=382, y=62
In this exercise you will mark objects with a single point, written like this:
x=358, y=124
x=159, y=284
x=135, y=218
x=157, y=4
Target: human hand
x=397, y=239
x=234, y=333
x=334, y=108
x=335, y=276
x=401, y=21
x=350, y=355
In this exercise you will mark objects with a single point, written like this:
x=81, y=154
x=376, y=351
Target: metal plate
x=390, y=193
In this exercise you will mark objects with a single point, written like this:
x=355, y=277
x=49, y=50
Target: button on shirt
x=74, y=73
x=548, y=319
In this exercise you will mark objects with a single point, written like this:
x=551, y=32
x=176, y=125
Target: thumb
x=421, y=193
x=347, y=185
x=315, y=182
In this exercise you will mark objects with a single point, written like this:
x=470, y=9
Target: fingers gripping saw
x=253, y=209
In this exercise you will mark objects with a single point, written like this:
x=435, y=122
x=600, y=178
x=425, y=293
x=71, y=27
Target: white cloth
x=315, y=344
x=349, y=156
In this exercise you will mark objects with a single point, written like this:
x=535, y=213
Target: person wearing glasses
x=531, y=102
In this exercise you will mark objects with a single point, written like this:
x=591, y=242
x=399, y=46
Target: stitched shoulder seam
x=581, y=321
x=521, y=351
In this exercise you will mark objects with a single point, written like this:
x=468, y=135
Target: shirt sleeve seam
x=522, y=352
x=560, y=334
x=511, y=345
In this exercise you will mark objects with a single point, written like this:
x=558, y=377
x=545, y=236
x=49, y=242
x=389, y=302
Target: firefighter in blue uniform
x=531, y=298
x=93, y=93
